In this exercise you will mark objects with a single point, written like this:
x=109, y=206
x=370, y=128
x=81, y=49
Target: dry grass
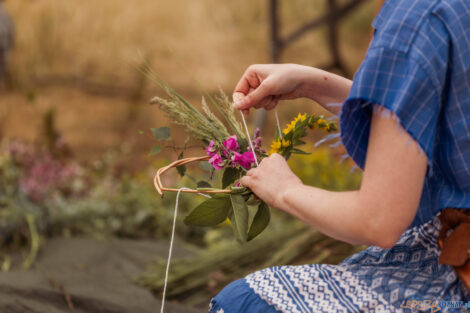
x=207, y=40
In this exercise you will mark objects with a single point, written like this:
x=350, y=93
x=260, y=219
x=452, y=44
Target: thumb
x=252, y=98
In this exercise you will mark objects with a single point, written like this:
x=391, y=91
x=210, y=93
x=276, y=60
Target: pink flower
x=211, y=150
x=231, y=143
x=216, y=161
x=245, y=160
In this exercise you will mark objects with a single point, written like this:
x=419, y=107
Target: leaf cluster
x=236, y=208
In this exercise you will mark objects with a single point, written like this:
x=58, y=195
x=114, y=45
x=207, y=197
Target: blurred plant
x=42, y=196
x=41, y=174
x=322, y=169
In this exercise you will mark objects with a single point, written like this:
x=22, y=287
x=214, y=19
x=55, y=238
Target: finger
x=250, y=172
x=264, y=102
x=272, y=103
x=248, y=80
x=237, y=96
x=246, y=181
x=275, y=156
x=254, y=97
x=260, y=104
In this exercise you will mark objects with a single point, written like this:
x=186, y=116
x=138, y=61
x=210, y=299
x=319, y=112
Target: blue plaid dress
x=418, y=67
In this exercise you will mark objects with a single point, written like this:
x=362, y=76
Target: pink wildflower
x=246, y=159
x=211, y=150
x=231, y=143
x=216, y=161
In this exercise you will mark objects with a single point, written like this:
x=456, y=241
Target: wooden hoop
x=160, y=188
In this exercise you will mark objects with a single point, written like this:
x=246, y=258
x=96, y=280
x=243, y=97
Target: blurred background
x=81, y=227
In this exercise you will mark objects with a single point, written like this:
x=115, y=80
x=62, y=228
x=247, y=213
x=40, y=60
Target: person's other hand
x=263, y=85
x=270, y=179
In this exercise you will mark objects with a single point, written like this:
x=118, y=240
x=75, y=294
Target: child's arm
x=264, y=85
x=377, y=214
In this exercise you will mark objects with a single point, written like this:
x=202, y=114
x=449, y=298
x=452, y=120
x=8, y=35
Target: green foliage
x=230, y=176
x=203, y=184
x=260, y=221
x=239, y=217
x=211, y=212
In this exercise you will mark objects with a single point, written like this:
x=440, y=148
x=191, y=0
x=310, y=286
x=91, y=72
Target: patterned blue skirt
x=374, y=280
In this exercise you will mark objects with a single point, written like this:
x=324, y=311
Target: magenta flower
x=231, y=143
x=245, y=160
x=216, y=161
x=211, y=150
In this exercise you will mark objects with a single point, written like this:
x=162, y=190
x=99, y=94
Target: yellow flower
x=276, y=145
x=288, y=128
x=323, y=123
x=291, y=125
x=301, y=117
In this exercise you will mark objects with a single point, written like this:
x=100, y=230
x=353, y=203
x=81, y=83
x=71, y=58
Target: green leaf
x=155, y=150
x=298, y=151
x=238, y=190
x=182, y=168
x=253, y=200
x=211, y=212
x=203, y=184
x=260, y=221
x=299, y=142
x=239, y=217
x=230, y=176
x=161, y=133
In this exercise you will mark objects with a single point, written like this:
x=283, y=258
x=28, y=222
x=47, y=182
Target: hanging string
x=278, y=123
x=249, y=137
x=170, y=251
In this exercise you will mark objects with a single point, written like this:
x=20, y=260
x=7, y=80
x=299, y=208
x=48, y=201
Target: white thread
x=277, y=123
x=249, y=138
x=170, y=251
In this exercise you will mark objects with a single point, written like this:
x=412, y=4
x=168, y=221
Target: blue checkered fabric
x=418, y=67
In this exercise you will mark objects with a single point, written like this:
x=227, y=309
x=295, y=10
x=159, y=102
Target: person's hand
x=263, y=85
x=270, y=179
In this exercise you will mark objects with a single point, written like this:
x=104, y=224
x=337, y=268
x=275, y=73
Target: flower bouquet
x=230, y=150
